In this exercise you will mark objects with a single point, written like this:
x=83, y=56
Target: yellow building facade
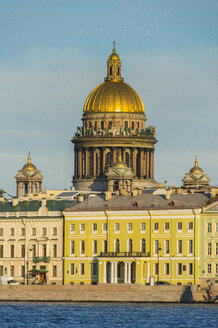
x=136, y=246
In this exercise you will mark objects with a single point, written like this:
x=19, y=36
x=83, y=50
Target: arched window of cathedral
x=117, y=246
x=102, y=125
x=25, y=189
x=143, y=246
x=138, y=125
x=130, y=245
x=115, y=185
x=110, y=125
x=127, y=159
x=118, y=70
x=96, y=125
x=90, y=124
x=126, y=124
x=133, y=125
x=111, y=70
x=109, y=159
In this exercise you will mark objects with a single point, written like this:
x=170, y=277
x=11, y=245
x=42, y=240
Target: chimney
x=15, y=201
x=212, y=193
x=108, y=195
x=167, y=194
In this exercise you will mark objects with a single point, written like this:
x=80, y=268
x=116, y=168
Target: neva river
x=53, y=315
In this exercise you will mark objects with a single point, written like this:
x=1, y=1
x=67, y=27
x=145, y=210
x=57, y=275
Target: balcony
x=124, y=254
x=45, y=259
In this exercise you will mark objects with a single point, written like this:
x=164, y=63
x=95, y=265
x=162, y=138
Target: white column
x=105, y=272
x=125, y=272
x=148, y=272
x=129, y=273
x=115, y=272
x=112, y=272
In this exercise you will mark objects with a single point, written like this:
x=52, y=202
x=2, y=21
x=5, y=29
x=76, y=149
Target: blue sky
x=53, y=53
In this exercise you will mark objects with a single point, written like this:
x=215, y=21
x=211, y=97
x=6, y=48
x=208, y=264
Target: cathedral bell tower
x=113, y=120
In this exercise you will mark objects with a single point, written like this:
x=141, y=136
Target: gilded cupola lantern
x=113, y=119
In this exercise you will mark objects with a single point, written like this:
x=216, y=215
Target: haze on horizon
x=53, y=53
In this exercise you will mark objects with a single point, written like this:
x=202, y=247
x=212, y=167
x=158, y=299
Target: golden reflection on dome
x=114, y=95
x=196, y=169
x=29, y=166
x=119, y=162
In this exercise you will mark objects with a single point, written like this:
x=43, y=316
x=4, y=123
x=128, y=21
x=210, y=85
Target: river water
x=64, y=315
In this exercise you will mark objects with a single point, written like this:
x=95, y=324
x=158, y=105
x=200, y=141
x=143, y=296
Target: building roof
x=143, y=202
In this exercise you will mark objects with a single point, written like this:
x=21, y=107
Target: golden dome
x=114, y=95
x=29, y=166
x=196, y=169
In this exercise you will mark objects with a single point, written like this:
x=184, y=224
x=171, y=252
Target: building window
x=179, y=247
x=167, y=246
x=44, y=231
x=155, y=226
x=216, y=248
x=217, y=227
x=105, y=246
x=216, y=268
x=143, y=227
x=82, y=247
x=82, y=227
x=22, y=231
x=167, y=269
x=190, y=269
x=95, y=125
x=94, y=269
x=110, y=125
x=1, y=251
x=1, y=270
x=143, y=246
x=166, y=227
x=190, y=226
x=12, y=232
x=44, y=250
x=54, y=250
x=209, y=268
x=117, y=227
x=12, y=270
x=94, y=249
x=22, y=250
x=129, y=227
x=72, y=247
x=137, y=125
x=33, y=231
x=22, y=270
x=104, y=228
x=126, y=124
x=72, y=228
x=133, y=125
x=1, y=232
x=190, y=246
x=130, y=246
x=94, y=227
x=55, y=231
x=34, y=250
x=156, y=268
x=179, y=268
x=72, y=268
x=12, y=250
x=82, y=269
x=54, y=271
x=117, y=246
x=209, y=227
x=209, y=249
x=102, y=125
x=156, y=244
x=179, y=226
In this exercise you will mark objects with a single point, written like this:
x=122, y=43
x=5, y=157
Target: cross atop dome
x=114, y=46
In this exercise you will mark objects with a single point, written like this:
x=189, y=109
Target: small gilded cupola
x=114, y=67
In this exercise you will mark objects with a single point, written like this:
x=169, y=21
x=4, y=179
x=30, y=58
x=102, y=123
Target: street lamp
x=158, y=259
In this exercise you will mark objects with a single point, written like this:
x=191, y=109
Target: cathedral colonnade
x=94, y=162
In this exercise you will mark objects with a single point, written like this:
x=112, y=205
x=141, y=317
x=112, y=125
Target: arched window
x=117, y=245
x=25, y=189
x=118, y=70
x=111, y=70
x=116, y=185
x=143, y=246
x=130, y=245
